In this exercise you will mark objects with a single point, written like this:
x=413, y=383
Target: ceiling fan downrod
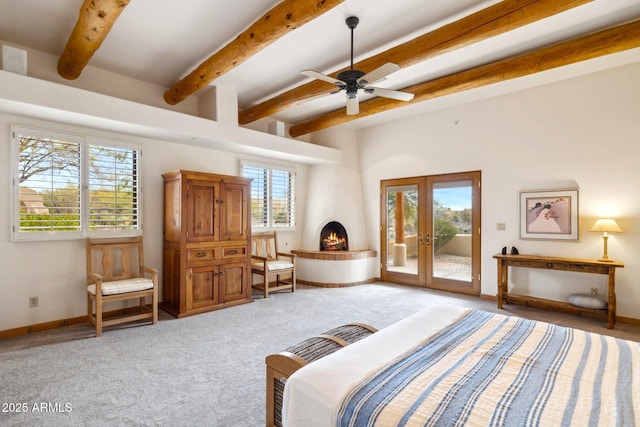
x=351, y=76
x=352, y=23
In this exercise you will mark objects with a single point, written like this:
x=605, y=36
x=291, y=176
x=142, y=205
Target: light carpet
x=204, y=370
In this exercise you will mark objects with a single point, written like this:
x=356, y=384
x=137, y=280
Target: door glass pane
x=402, y=229
x=451, y=234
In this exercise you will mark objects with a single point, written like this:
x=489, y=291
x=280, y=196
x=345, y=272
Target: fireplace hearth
x=333, y=237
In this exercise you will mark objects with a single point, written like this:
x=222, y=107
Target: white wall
x=336, y=194
x=581, y=132
x=55, y=271
x=44, y=66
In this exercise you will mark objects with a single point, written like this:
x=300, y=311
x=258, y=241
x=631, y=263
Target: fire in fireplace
x=333, y=237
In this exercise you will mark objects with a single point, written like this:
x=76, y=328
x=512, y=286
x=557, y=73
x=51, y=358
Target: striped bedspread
x=490, y=369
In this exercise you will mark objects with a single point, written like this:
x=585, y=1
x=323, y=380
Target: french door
x=430, y=231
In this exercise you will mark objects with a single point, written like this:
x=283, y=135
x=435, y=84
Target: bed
x=449, y=365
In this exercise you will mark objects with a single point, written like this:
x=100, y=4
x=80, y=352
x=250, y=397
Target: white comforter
x=313, y=394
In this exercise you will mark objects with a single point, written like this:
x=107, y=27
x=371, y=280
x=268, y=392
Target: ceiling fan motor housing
x=350, y=78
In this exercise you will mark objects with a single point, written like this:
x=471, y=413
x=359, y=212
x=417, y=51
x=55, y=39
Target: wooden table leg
x=611, y=302
x=501, y=279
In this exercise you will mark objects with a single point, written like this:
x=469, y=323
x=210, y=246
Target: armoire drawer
x=234, y=251
x=201, y=254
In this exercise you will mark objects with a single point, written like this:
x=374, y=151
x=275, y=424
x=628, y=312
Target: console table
x=557, y=263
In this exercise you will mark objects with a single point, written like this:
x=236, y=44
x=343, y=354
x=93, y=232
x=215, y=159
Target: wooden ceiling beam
x=95, y=20
x=613, y=40
x=500, y=18
x=284, y=17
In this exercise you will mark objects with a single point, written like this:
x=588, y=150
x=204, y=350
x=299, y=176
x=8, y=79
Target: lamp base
x=605, y=260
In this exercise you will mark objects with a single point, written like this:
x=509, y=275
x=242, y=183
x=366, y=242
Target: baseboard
x=627, y=320
x=39, y=327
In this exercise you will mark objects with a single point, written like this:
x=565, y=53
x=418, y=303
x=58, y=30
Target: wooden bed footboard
x=281, y=365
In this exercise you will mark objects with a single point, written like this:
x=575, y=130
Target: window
x=71, y=186
x=272, y=196
x=113, y=188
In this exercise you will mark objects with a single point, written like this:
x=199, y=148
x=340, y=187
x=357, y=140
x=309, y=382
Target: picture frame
x=549, y=214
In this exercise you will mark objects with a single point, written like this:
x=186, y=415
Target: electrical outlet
x=501, y=226
x=33, y=301
x=594, y=291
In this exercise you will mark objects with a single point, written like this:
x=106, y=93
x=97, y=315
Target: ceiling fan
x=351, y=81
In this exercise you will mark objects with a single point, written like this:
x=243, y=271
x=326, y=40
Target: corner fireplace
x=333, y=237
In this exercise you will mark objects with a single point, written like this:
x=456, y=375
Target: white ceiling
x=161, y=41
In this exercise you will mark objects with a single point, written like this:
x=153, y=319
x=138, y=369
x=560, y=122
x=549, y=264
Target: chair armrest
x=264, y=261
x=291, y=256
x=94, y=277
x=150, y=270
x=153, y=272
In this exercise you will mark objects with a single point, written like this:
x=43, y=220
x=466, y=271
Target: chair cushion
x=123, y=286
x=587, y=301
x=274, y=265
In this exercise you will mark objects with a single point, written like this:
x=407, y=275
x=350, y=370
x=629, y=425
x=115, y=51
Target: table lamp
x=606, y=226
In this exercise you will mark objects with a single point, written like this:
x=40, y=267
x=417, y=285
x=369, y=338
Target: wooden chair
x=267, y=262
x=116, y=272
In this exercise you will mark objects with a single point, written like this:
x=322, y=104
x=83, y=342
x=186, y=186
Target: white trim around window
x=273, y=195
x=68, y=186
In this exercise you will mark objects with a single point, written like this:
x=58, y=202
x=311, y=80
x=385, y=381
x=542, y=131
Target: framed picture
x=549, y=214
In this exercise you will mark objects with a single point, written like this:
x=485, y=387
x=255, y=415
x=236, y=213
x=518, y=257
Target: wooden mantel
x=562, y=264
x=335, y=255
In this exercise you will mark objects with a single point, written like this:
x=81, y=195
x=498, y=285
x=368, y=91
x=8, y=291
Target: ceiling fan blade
x=313, y=98
x=320, y=76
x=393, y=94
x=353, y=106
x=379, y=73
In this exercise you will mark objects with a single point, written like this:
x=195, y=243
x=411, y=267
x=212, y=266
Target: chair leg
x=89, y=309
x=293, y=281
x=98, y=315
x=154, y=302
x=266, y=284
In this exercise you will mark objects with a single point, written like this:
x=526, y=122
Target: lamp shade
x=606, y=225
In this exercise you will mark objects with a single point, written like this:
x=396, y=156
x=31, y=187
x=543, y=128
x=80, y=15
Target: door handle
x=428, y=239
x=420, y=239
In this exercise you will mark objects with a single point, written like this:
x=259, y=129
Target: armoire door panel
x=233, y=217
x=233, y=280
x=203, y=200
x=202, y=283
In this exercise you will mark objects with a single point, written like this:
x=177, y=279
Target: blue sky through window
x=456, y=198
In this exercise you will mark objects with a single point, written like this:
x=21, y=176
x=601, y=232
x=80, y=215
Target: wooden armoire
x=207, y=233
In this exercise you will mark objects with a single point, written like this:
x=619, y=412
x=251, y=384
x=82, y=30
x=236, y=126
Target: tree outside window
x=69, y=188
